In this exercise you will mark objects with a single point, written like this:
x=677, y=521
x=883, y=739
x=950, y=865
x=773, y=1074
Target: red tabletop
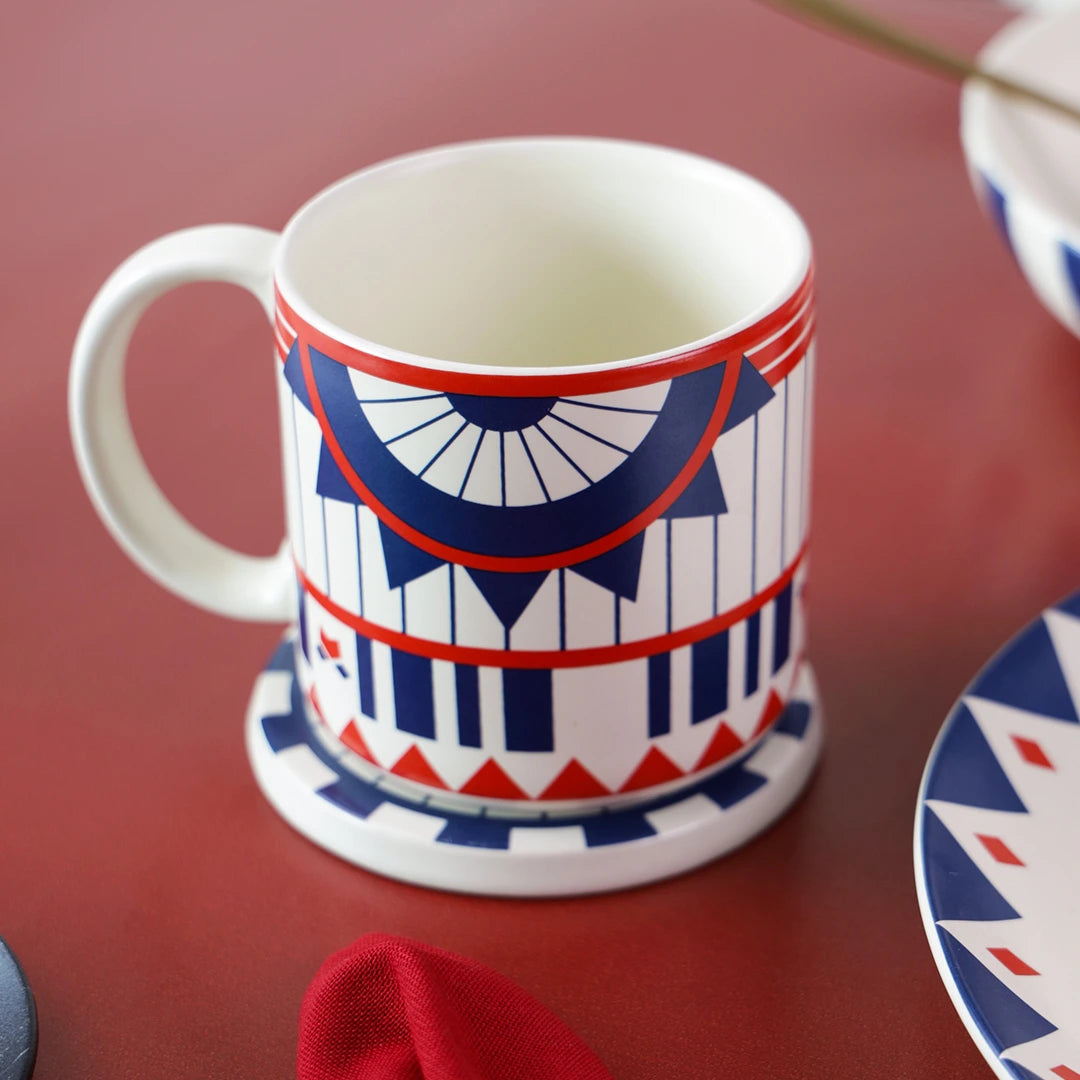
x=168, y=919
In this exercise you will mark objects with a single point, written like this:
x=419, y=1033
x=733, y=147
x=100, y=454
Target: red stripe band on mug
x=791, y=317
x=553, y=658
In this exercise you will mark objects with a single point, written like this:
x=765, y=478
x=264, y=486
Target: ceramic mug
x=545, y=416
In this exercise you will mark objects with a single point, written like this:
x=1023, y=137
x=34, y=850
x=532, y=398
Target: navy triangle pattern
x=404, y=561
x=751, y=393
x=966, y=771
x=507, y=594
x=1005, y=1019
x=617, y=570
x=331, y=482
x=960, y=889
x=1027, y=676
x=1070, y=605
x=294, y=376
x=702, y=497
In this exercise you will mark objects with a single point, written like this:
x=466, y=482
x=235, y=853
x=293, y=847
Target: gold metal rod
x=857, y=23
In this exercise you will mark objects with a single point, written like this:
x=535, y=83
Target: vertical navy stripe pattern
x=659, y=694
x=467, y=685
x=302, y=619
x=782, y=629
x=708, y=677
x=414, y=701
x=753, y=653
x=357, y=797
x=364, y=676
x=527, y=712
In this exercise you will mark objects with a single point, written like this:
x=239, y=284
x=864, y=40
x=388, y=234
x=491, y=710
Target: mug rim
x=796, y=284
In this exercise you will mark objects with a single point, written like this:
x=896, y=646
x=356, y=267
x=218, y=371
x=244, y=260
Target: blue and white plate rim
x=968, y=1008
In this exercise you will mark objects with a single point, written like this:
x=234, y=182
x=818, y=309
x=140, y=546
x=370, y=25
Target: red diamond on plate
x=999, y=850
x=1012, y=962
x=1032, y=752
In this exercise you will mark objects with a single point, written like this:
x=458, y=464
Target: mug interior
x=541, y=253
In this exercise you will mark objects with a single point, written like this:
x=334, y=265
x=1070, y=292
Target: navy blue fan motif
x=521, y=476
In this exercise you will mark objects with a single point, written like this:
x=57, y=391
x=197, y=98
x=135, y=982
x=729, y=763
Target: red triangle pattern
x=655, y=768
x=352, y=738
x=333, y=649
x=414, y=766
x=771, y=713
x=491, y=782
x=574, y=782
x=722, y=745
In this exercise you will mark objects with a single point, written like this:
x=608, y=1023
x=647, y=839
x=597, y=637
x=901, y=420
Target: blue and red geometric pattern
x=487, y=553
x=997, y=842
x=356, y=790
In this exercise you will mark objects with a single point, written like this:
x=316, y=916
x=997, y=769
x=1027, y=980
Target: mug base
x=424, y=842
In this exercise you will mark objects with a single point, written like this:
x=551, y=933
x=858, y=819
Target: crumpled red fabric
x=387, y=1008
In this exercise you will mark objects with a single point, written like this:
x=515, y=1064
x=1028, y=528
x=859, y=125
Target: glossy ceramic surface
x=546, y=412
x=997, y=851
x=1024, y=160
x=483, y=557
x=372, y=818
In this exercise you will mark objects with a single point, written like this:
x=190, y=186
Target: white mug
x=545, y=413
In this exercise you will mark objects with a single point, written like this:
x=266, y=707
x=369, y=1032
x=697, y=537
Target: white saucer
x=357, y=812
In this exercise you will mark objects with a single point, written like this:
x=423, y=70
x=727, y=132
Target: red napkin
x=387, y=1008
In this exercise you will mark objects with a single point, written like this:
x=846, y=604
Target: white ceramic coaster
x=358, y=812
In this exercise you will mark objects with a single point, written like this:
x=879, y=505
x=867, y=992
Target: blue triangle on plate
x=702, y=497
x=331, y=482
x=751, y=393
x=966, y=771
x=294, y=376
x=1004, y=1019
x=958, y=888
x=404, y=561
x=618, y=569
x=508, y=595
x=1027, y=675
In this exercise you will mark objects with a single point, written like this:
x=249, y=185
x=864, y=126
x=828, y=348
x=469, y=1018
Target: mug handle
x=141, y=519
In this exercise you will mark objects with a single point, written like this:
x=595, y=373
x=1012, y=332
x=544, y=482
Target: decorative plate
x=997, y=852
